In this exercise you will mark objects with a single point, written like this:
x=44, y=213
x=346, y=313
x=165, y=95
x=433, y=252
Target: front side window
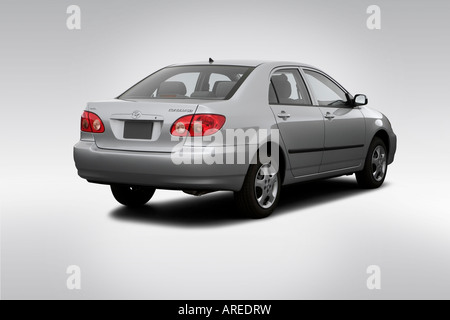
x=190, y=82
x=326, y=91
x=287, y=87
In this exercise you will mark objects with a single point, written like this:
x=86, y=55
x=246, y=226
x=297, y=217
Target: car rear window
x=190, y=82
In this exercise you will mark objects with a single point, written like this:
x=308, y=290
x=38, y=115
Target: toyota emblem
x=136, y=114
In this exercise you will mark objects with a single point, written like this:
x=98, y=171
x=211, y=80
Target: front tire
x=132, y=196
x=260, y=193
x=375, y=166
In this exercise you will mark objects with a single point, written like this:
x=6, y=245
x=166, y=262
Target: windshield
x=190, y=82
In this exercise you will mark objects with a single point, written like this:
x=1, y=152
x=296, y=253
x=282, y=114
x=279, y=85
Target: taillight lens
x=85, y=126
x=90, y=122
x=198, y=125
x=180, y=127
x=206, y=124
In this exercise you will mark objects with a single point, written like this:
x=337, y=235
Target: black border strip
x=325, y=149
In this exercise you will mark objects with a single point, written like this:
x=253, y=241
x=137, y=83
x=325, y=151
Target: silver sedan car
x=244, y=126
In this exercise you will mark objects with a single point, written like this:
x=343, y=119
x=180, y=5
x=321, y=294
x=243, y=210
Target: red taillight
x=85, y=126
x=90, y=122
x=206, y=124
x=197, y=125
x=181, y=126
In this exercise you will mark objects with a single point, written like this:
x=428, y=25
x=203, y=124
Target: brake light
x=198, y=125
x=90, y=122
x=181, y=126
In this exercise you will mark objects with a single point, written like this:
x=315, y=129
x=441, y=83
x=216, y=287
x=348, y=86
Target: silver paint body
x=108, y=158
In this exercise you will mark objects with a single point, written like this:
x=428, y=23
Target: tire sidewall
x=259, y=211
x=368, y=165
x=129, y=198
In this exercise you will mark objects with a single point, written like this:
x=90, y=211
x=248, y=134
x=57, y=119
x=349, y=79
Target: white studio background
x=323, y=237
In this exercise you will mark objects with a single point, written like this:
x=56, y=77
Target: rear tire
x=375, y=166
x=260, y=192
x=132, y=196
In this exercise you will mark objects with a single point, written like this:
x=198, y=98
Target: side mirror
x=360, y=100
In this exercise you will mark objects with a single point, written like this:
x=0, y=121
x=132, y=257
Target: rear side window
x=272, y=95
x=190, y=82
x=287, y=87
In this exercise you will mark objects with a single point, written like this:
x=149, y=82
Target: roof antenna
x=211, y=60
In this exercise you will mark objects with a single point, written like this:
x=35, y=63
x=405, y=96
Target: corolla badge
x=180, y=110
x=136, y=114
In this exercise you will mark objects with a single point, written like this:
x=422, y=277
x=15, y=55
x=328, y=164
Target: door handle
x=283, y=115
x=329, y=116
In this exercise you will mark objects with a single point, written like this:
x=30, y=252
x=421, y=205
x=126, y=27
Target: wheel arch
x=384, y=136
x=282, y=161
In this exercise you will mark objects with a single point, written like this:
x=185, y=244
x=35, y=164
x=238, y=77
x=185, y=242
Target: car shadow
x=218, y=209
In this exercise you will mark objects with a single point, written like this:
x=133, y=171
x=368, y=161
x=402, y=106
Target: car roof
x=250, y=63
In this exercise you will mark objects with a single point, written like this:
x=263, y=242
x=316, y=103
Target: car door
x=344, y=124
x=300, y=123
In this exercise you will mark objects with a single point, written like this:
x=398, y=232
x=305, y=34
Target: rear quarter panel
x=247, y=110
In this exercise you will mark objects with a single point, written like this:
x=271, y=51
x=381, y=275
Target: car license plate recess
x=138, y=130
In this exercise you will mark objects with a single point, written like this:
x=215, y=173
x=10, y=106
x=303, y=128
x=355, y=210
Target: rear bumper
x=154, y=169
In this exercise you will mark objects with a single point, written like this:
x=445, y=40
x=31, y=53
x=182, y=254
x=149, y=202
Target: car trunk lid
x=133, y=125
